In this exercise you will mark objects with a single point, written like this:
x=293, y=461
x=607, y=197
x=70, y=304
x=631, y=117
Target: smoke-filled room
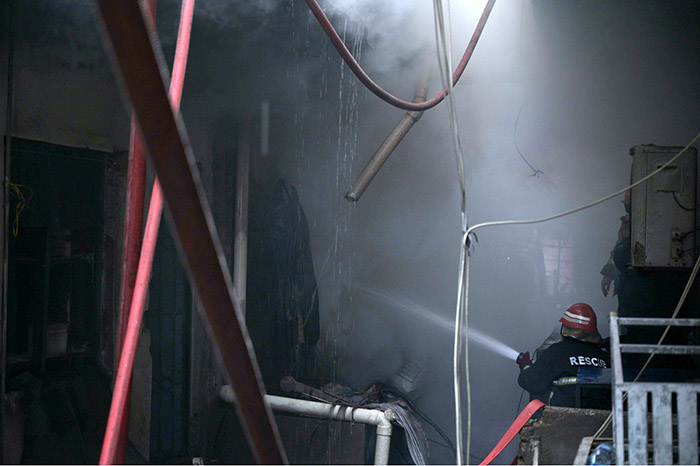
x=325, y=232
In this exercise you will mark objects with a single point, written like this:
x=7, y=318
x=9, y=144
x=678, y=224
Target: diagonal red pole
x=139, y=61
x=136, y=286
x=133, y=226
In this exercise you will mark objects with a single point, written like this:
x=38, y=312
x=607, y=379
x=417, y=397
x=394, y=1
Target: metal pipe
x=133, y=228
x=138, y=58
x=288, y=384
x=387, y=147
x=656, y=321
x=375, y=417
x=116, y=434
x=240, y=253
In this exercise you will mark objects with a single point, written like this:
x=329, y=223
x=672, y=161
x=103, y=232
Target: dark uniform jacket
x=543, y=379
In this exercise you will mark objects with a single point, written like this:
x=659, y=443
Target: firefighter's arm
x=537, y=377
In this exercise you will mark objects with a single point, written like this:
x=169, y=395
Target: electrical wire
x=374, y=87
x=465, y=239
x=520, y=402
x=22, y=203
x=471, y=230
x=689, y=209
x=392, y=393
x=443, y=41
x=536, y=173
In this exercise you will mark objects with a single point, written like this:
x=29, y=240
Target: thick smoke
x=583, y=80
x=585, y=93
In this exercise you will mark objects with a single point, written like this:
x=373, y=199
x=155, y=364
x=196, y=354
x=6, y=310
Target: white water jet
x=396, y=303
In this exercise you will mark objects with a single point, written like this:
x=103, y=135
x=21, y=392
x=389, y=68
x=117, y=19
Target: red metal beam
x=140, y=62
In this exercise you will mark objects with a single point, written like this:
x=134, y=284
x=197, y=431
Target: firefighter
x=552, y=377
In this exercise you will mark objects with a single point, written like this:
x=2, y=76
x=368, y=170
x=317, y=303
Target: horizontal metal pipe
x=660, y=349
x=374, y=417
x=387, y=147
x=653, y=321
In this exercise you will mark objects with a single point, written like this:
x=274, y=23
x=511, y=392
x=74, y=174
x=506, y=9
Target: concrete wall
x=65, y=92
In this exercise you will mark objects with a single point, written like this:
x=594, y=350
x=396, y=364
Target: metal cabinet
x=663, y=209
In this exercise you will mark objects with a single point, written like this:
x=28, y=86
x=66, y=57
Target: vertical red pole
x=133, y=227
x=140, y=65
x=137, y=270
x=133, y=223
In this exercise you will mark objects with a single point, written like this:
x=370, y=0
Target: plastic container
x=602, y=454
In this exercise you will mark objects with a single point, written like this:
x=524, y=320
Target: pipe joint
x=384, y=430
x=415, y=116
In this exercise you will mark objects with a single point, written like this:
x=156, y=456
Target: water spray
x=406, y=306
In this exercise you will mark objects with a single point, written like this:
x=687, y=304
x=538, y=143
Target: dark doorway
x=54, y=254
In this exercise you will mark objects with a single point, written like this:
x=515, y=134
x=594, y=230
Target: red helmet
x=580, y=316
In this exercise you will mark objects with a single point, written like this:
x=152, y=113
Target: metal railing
x=653, y=418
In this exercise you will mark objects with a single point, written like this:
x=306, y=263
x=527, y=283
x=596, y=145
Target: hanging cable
x=584, y=207
x=520, y=402
x=443, y=42
x=374, y=87
x=471, y=230
x=536, y=173
x=689, y=209
x=22, y=203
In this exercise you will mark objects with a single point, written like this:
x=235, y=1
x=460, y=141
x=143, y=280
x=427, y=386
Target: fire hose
x=116, y=432
x=513, y=430
x=374, y=87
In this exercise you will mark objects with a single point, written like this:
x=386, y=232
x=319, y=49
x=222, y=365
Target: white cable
x=443, y=40
x=578, y=209
x=465, y=239
x=457, y=361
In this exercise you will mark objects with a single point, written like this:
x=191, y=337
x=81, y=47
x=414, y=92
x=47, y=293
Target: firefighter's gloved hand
x=523, y=360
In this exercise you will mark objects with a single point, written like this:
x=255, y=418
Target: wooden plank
x=687, y=408
x=637, y=425
x=662, y=430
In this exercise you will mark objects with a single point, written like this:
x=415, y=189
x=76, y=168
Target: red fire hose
x=133, y=226
x=117, y=425
x=374, y=87
x=513, y=430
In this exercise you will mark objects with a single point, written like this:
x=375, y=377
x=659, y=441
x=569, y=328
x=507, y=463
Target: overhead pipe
x=138, y=58
x=375, y=417
x=387, y=147
x=133, y=228
x=374, y=87
x=117, y=432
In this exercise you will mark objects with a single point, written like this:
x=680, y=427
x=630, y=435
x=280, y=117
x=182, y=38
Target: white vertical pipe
x=240, y=253
x=382, y=444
